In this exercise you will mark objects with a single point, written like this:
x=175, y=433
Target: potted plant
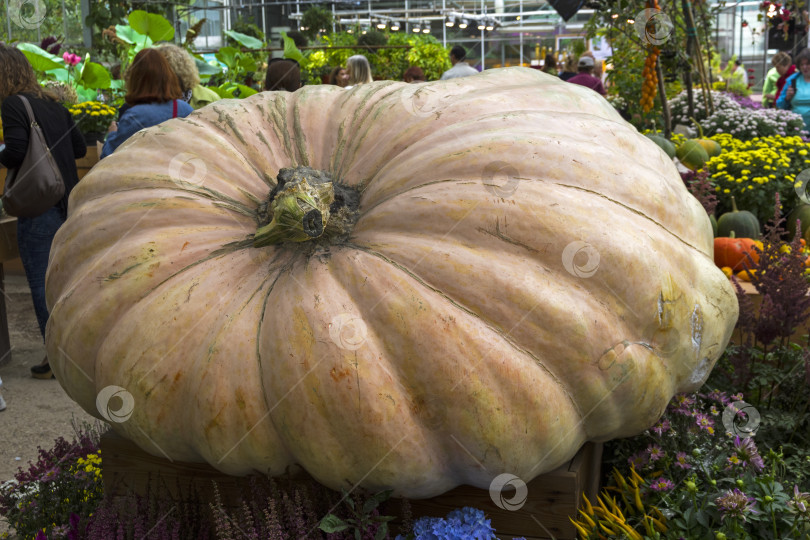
x=92, y=118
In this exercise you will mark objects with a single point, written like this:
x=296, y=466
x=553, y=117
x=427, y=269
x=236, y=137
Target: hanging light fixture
x=481, y=24
x=463, y=23
x=394, y=26
x=415, y=28
x=490, y=25
x=381, y=24
x=426, y=28
x=451, y=21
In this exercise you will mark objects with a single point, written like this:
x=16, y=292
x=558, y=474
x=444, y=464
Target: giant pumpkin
x=453, y=280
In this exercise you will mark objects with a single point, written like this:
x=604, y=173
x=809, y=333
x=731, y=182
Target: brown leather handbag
x=36, y=185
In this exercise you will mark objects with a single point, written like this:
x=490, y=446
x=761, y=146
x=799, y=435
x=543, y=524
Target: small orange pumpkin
x=732, y=252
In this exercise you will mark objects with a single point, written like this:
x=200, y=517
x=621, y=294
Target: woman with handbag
x=153, y=96
x=22, y=96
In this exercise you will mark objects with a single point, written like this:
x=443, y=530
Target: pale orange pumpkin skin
x=483, y=353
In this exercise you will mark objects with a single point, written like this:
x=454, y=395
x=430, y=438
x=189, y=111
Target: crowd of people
x=791, y=88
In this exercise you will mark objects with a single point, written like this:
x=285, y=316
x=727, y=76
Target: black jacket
x=61, y=134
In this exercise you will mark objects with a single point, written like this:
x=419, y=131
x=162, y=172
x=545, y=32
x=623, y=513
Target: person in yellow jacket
x=183, y=65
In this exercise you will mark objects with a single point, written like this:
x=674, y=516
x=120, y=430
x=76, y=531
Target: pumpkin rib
x=437, y=138
x=639, y=212
x=505, y=336
x=394, y=176
x=362, y=112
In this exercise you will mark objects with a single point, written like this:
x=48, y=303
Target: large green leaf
x=246, y=63
x=151, y=24
x=228, y=56
x=41, y=60
x=85, y=94
x=291, y=51
x=204, y=68
x=95, y=76
x=129, y=35
x=60, y=74
x=249, y=42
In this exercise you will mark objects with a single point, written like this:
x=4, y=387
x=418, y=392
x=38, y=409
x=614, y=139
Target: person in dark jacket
x=35, y=235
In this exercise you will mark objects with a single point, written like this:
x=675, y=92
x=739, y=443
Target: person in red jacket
x=786, y=68
x=585, y=76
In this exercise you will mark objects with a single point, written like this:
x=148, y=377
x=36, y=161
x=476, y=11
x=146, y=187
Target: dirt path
x=38, y=411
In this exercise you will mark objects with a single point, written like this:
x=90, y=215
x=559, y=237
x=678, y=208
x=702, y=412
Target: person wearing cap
x=585, y=76
x=460, y=68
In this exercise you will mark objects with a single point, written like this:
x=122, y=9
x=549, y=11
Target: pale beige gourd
x=450, y=338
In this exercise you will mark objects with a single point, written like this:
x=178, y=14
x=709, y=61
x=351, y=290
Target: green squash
x=742, y=223
x=692, y=155
x=713, y=221
x=664, y=144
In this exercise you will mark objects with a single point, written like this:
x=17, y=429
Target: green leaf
x=40, y=59
x=249, y=42
x=332, y=524
x=382, y=532
x=231, y=90
x=246, y=63
x=204, y=68
x=227, y=55
x=375, y=500
x=151, y=24
x=243, y=91
x=128, y=34
x=60, y=74
x=291, y=51
x=95, y=76
x=86, y=94
x=221, y=91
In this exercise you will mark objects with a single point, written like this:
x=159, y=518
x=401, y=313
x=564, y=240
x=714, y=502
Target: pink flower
x=662, y=484
x=71, y=59
x=654, y=452
x=681, y=461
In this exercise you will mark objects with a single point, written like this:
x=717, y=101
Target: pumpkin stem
x=305, y=205
x=299, y=207
x=733, y=204
x=700, y=129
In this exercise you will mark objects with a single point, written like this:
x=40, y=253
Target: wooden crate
x=552, y=497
